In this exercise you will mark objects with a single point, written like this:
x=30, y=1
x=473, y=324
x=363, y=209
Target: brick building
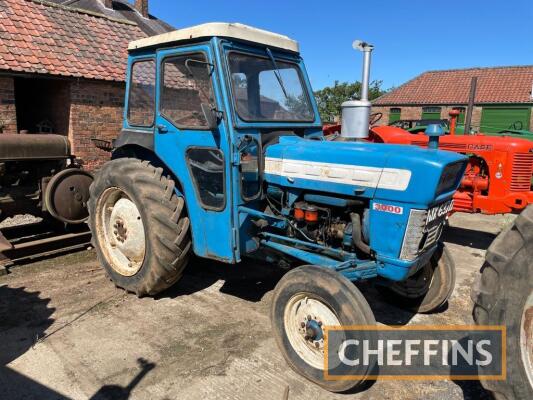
x=503, y=97
x=62, y=67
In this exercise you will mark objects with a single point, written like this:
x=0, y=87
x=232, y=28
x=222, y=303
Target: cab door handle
x=162, y=128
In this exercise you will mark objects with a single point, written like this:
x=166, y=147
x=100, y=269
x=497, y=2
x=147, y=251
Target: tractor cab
x=209, y=100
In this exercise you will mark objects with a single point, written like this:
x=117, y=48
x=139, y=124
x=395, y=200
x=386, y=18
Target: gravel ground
x=17, y=220
x=67, y=332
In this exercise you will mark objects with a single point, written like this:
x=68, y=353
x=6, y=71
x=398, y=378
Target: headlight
x=450, y=178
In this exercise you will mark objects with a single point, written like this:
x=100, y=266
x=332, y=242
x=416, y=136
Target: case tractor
x=222, y=155
x=499, y=172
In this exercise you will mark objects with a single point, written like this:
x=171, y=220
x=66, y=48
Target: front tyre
x=307, y=299
x=427, y=290
x=140, y=227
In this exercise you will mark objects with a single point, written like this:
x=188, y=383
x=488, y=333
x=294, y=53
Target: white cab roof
x=221, y=29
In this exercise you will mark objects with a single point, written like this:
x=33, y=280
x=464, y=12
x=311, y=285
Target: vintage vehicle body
x=39, y=176
x=222, y=154
x=499, y=172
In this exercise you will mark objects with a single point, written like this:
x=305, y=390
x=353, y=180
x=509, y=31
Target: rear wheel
x=503, y=295
x=427, y=290
x=306, y=300
x=140, y=227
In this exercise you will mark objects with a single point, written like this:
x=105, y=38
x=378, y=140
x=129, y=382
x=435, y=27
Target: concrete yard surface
x=67, y=332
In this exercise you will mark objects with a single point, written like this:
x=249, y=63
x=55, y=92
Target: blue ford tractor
x=222, y=155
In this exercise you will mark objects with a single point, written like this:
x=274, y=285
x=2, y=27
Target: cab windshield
x=268, y=92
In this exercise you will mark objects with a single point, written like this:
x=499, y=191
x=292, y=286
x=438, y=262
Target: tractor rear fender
x=132, y=137
x=141, y=145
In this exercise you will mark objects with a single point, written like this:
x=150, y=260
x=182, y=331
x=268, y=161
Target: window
x=395, y=114
x=206, y=166
x=431, y=112
x=249, y=164
x=263, y=93
x=186, y=85
x=141, y=101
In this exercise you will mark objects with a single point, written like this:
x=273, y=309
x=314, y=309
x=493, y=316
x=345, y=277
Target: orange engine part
x=499, y=173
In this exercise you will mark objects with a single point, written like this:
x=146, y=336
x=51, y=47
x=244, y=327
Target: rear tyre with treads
x=503, y=295
x=140, y=227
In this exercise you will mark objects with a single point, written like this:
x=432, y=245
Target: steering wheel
x=375, y=117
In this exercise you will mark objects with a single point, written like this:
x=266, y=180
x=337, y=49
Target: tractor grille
x=418, y=237
x=452, y=146
x=522, y=171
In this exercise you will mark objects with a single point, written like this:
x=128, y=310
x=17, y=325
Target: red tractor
x=498, y=177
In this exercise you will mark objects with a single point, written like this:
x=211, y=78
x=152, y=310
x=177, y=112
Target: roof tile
x=38, y=37
x=494, y=85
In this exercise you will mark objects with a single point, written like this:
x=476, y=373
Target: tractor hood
x=360, y=169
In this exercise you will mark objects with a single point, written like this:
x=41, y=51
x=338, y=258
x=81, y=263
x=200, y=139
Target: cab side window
x=206, y=166
x=249, y=165
x=141, y=99
x=186, y=85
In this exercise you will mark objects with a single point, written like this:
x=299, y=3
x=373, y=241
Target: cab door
x=197, y=155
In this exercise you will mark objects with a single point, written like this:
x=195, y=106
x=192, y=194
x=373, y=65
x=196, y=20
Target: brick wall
x=407, y=113
x=8, y=113
x=95, y=112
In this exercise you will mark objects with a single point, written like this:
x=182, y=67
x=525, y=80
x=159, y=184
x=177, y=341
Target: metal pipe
x=305, y=256
x=365, y=81
x=470, y=108
x=453, y=121
x=356, y=113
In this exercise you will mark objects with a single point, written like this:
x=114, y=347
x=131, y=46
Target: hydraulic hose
x=357, y=236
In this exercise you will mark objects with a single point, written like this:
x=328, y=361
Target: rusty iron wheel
x=67, y=194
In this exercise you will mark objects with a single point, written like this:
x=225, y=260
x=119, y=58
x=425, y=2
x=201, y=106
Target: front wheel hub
x=313, y=330
x=304, y=319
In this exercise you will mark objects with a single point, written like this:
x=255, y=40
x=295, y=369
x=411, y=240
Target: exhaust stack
x=356, y=113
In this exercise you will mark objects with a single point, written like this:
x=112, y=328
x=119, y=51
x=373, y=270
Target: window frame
x=162, y=84
x=139, y=60
x=431, y=109
x=259, y=174
x=193, y=180
x=272, y=121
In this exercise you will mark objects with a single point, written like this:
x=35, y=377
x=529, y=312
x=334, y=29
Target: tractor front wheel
x=306, y=300
x=140, y=227
x=427, y=290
